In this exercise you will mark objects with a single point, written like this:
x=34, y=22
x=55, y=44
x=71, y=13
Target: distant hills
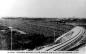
x=63, y=20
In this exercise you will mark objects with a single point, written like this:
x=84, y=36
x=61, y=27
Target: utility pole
x=54, y=35
x=11, y=36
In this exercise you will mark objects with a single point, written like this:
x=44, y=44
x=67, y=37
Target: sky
x=43, y=8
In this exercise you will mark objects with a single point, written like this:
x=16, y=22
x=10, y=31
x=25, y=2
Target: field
x=44, y=29
x=43, y=26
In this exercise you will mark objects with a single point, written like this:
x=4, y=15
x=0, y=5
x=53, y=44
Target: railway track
x=65, y=42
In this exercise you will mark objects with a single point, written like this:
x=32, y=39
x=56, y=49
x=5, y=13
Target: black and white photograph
x=43, y=25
